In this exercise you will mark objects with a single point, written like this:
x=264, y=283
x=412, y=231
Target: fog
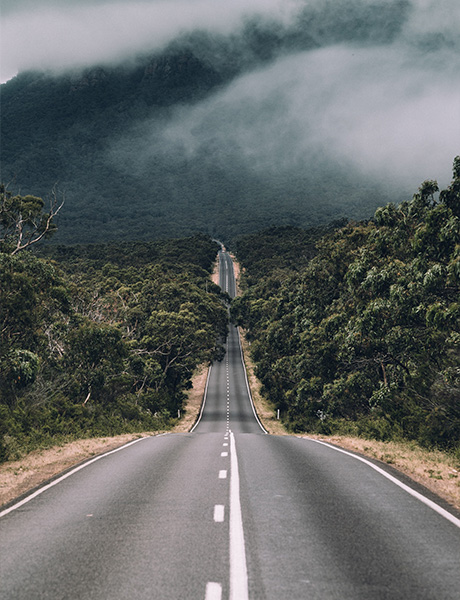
x=62, y=34
x=364, y=92
x=386, y=111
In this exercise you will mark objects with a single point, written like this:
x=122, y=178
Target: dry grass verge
x=215, y=273
x=194, y=400
x=265, y=409
x=237, y=273
x=19, y=476
x=437, y=471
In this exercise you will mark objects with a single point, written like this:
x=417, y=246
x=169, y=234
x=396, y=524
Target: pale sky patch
x=61, y=35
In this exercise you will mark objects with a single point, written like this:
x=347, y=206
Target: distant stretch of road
x=227, y=511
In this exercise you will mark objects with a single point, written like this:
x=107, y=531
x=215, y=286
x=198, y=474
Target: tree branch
x=54, y=210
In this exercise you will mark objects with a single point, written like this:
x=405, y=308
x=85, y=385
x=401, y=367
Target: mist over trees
x=330, y=111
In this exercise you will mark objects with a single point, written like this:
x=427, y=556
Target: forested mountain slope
x=222, y=134
x=364, y=337
x=102, y=339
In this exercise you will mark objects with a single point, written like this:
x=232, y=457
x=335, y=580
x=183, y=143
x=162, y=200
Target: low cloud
x=365, y=88
x=47, y=35
x=387, y=114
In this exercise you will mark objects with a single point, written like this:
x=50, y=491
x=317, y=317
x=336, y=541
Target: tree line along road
x=227, y=511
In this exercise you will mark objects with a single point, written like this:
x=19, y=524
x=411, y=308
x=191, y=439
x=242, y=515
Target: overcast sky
x=56, y=34
x=389, y=109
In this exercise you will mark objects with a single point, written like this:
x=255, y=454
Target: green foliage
x=23, y=221
x=368, y=331
x=98, y=340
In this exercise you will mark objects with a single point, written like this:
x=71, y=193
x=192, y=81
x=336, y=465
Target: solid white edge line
x=244, y=368
x=441, y=511
x=204, y=399
x=247, y=384
x=213, y=591
x=238, y=568
x=68, y=474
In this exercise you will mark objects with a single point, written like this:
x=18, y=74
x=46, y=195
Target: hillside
x=361, y=334
x=208, y=133
x=102, y=339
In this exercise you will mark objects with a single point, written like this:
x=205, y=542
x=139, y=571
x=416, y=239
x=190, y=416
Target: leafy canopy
x=366, y=336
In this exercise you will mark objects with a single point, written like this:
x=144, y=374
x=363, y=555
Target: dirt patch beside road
x=437, y=471
x=195, y=398
x=19, y=476
x=215, y=273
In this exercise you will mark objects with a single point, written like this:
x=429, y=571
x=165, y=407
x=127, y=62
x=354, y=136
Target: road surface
x=228, y=512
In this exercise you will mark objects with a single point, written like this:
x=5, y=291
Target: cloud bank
x=361, y=91
x=60, y=35
x=386, y=112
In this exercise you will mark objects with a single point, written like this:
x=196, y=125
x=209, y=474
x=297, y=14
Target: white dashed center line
x=213, y=591
x=219, y=513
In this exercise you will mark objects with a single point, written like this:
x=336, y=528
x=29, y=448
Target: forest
x=99, y=339
x=354, y=326
x=160, y=147
x=356, y=330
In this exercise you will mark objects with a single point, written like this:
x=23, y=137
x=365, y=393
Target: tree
x=366, y=336
x=95, y=356
x=23, y=221
x=101, y=339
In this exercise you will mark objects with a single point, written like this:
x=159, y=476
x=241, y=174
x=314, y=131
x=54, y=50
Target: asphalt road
x=228, y=512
